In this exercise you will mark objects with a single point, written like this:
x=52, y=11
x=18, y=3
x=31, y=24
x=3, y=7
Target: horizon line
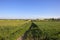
x=32, y=18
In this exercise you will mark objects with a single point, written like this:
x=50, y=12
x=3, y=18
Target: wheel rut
x=33, y=33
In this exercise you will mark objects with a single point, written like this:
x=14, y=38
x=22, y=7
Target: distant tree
x=52, y=19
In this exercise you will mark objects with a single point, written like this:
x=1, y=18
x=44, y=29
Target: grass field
x=50, y=29
x=12, y=29
x=30, y=30
x=11, y=22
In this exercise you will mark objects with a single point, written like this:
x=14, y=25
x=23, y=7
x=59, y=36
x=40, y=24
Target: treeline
x=53, y=19
x=48, y=19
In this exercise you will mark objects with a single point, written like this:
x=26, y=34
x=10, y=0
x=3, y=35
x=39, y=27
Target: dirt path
x=20, y=38
x=31, y=33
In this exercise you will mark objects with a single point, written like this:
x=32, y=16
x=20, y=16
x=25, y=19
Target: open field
x=11, y=22
x=12, y=29
x=50, y=29
x=29, y=30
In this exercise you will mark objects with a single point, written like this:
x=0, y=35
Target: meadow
x=29, y=30
x=50, y=29
x=12, y=29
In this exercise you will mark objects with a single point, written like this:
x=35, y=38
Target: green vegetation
x=29, y=30
x=12, y=29
x=33, y=33
x=50, y=29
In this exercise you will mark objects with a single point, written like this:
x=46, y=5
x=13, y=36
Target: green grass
x=50, y=29
x=13, y=29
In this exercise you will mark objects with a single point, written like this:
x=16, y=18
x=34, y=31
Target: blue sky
x=29, y=8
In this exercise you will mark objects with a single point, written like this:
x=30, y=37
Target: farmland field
x=12, y=29
x=50, y=29
x=29, y=30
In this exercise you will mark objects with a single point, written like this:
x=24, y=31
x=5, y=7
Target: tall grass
x=50, y=29
x=29, y=30
x=12, y=29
